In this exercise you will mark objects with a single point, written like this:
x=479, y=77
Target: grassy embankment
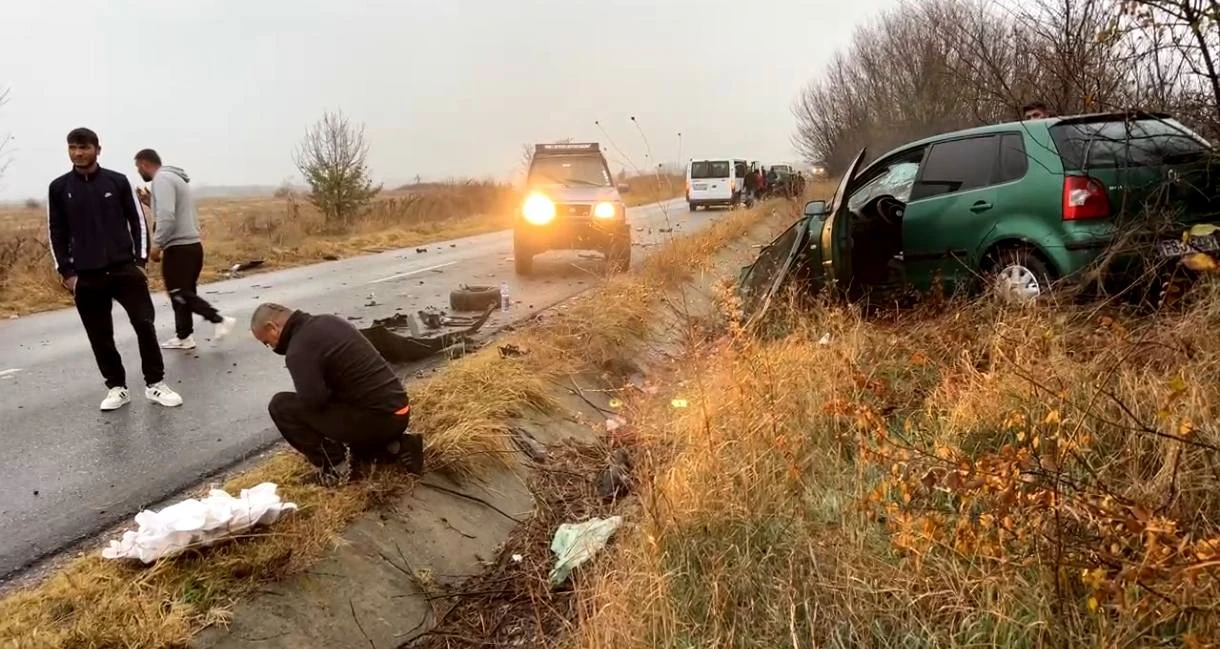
x=972, y=476
x=289, y=231
x=465, y=412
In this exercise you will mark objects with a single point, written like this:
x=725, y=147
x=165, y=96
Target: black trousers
x=96, y=293
x=180, y=267
x=321, y=435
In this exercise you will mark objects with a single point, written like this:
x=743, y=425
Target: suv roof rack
x=566, y=148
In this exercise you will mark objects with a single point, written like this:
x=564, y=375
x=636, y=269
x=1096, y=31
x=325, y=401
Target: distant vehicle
x=571, y=203
x=715, y=182
x=783, y=169
x=1012, y=207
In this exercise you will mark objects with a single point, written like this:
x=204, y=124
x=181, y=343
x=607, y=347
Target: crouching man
x=347, y=397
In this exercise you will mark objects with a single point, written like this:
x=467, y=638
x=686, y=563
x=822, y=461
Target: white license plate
x=1176, y=248
x=701, y=186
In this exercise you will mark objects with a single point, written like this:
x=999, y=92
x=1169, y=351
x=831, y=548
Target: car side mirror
x=815, y=209
x=624, y=188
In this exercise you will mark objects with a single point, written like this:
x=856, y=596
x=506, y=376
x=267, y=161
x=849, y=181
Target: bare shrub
x=332, y=158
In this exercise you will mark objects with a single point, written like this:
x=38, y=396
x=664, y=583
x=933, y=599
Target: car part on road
x=474, y=298
x=402, y=349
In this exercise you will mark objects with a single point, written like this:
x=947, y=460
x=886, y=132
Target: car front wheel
x=523, y=257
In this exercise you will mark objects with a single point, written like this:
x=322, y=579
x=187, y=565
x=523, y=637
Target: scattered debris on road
x=236, y=269
x=407, y=349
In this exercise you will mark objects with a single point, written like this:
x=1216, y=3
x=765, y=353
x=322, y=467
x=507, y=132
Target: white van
x=715, y=181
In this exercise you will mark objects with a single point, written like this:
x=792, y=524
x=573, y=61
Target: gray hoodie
x=174, y=209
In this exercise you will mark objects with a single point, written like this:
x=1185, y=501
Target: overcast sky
x=225, y=88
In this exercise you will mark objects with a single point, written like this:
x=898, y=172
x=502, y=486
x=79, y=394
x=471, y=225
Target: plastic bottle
x=504, y=296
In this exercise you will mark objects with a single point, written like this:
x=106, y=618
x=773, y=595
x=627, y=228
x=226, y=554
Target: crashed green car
x=1018, y=207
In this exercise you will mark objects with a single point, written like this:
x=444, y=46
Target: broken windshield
x=570, y=170
x=895, y=181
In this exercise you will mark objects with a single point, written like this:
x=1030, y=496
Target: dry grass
x=980, y=476
x=464, y=413
x=288, y=231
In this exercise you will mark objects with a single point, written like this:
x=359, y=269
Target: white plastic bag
x=197, y=523
x=575, y=544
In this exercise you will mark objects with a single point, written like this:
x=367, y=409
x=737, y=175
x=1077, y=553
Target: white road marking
x=7, y=373
x=412, y=272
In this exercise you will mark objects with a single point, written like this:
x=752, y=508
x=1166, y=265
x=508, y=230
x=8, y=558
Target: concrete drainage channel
x=431, y=567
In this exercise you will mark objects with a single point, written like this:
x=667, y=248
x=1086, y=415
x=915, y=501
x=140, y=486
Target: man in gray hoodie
x=176, y=244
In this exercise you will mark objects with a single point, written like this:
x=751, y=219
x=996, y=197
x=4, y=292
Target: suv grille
x=573, y=210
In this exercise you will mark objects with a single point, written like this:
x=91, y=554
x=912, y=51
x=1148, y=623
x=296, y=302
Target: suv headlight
x=538, y=209
x=604, y=210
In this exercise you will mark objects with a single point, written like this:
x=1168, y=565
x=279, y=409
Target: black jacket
x=95, y=222
x=332, y=362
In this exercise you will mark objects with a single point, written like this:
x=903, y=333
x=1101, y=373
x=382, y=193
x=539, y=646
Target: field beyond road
x=288, y=231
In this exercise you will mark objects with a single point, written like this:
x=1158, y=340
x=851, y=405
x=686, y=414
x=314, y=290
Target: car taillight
x=1084, y=198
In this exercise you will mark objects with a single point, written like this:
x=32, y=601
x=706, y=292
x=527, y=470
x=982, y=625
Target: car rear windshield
x=709, y=169
x=1146, y=142
x=570, y=171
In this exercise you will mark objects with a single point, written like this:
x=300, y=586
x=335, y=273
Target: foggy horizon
x=226, y=90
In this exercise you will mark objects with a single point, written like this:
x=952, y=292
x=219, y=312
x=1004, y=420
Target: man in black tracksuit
x=99, y=244
x=346, y=393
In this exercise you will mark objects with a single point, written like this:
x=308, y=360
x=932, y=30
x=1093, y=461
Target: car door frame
x=961, y=256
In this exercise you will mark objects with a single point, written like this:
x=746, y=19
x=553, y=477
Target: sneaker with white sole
x=224, y=328
x=179, y=343
x=163, y=394
x=116, y=398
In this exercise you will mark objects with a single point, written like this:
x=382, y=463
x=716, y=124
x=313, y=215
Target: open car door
x=816, y=244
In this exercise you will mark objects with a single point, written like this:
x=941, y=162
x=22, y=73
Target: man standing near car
x=99, y=245
x=176, y=244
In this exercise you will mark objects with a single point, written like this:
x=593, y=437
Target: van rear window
x=1116, y=144
x=709, y=169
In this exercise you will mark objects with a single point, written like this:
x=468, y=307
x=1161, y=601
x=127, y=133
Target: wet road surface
x=68, y=471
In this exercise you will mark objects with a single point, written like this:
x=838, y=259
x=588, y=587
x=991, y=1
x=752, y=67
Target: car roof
x=1018, y=125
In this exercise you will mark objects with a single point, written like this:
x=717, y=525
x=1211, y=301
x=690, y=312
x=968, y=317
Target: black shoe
x=408, y=449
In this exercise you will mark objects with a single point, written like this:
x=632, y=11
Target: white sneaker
x=179, y=343
x=116, y=398
x=224, y=328
x=162, y=394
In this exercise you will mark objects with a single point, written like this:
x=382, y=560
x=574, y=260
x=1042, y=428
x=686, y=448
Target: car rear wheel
x=523, y=257
x=1019, y=275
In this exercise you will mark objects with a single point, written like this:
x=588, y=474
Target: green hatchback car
x=1023, y=205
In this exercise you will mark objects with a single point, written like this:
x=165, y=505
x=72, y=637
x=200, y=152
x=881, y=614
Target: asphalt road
x=68, y=471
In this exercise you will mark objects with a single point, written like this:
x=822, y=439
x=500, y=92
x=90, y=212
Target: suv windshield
x=584, y=171
x=709, y=169
x=1145, y=142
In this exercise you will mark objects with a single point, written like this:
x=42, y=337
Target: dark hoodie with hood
x=177, y=223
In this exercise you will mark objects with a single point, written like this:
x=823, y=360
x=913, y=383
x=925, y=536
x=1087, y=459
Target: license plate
x=701, y=186
x=1176, y=248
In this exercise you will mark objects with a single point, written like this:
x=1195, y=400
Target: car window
x=1013, y=159
x=895, y=181
x=569, y=171
x=709, y=169
x=1135, y=143
x=956, y=166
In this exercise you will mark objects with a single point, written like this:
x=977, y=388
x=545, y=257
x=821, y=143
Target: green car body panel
x=951, y=237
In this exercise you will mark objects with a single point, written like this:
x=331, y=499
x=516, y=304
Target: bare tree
x=332, y=158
